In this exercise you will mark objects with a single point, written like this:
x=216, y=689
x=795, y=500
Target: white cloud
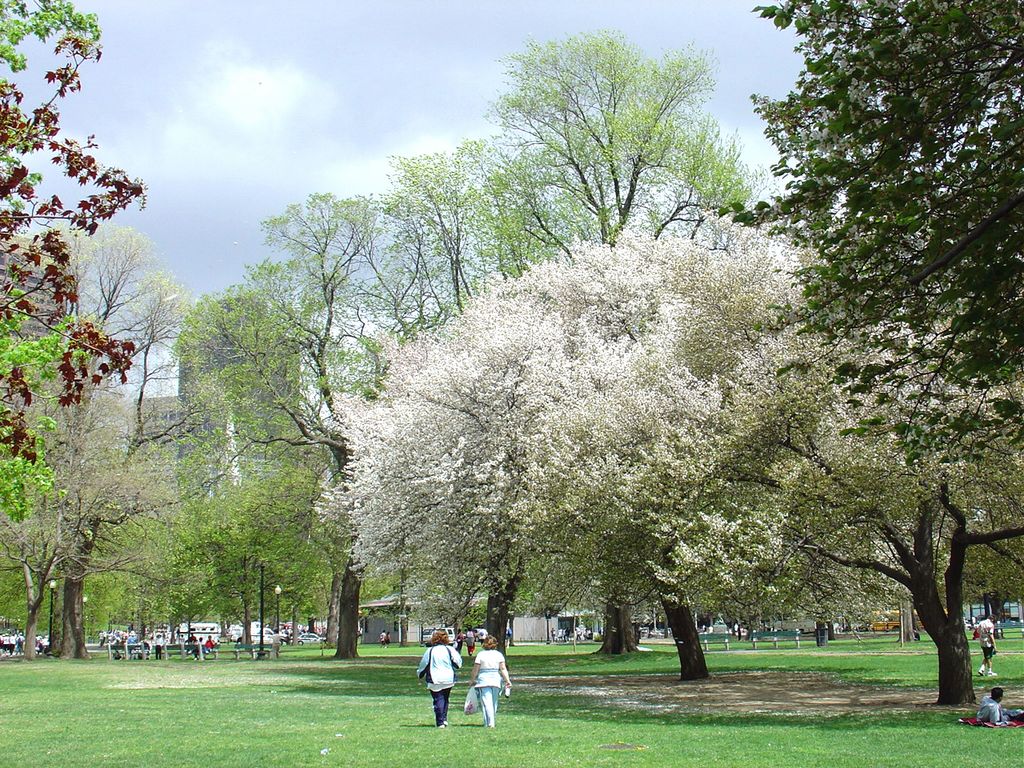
x=233, y=115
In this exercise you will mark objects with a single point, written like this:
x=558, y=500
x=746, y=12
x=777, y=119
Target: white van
x=235, y=633
x=201, y=629
x=428, y=632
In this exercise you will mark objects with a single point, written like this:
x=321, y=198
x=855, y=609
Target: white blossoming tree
x=641, y=466
x=569, y=408
x=442, y=460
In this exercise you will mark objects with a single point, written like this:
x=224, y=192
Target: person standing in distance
x=438, y=666
x=987, y=640
x=488, y=673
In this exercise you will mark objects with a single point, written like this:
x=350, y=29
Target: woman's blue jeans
x=441, y=705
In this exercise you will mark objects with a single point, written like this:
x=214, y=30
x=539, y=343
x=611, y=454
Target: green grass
x=373, y=712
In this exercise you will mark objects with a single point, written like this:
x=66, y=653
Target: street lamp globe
x=277, y=590
x=53, y=583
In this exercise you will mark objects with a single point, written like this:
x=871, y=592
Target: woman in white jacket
x=438, y=666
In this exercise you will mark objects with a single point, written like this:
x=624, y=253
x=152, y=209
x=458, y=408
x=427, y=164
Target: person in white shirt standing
x=987, y=640
x=488, y=673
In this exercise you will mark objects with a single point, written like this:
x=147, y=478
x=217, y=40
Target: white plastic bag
x=472, y=705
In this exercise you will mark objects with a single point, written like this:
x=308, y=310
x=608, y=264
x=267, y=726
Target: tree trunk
x=499, y=604
x=31, y=624
x=946, y=629
x=907, y=621
x=246, y=622
x=33, y=602
x=618, y=630
x=692, y=665
x=956, y=684
x=295, y=624
x=403, y=624
x=332, y=609
x=943, y=620
x=348, y=612
x=73, y=633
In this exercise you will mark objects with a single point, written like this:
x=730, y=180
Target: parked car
x=309, y=637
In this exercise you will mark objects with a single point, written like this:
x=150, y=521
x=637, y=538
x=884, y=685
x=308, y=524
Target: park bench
x=706, y=638
x=1008, y=626
x=774, y=637
x=128, y=651
x=188, y=650
x=253, y=651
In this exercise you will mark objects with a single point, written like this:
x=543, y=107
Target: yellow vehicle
x=884, y=625
x=885, y=622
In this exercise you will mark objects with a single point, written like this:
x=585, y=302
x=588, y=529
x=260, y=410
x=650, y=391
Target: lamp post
x=85, y=633
x=261, y=654
x=49, y=640
x=277, y=614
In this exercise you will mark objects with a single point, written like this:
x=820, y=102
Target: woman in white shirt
x=488, y=673
x=438, y=666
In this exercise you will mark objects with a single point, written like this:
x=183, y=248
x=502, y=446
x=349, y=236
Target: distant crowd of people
x=12, y=643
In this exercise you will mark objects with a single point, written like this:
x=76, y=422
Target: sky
x=230, y=110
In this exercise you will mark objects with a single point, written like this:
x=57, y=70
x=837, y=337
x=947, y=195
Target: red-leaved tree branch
x=38, y=284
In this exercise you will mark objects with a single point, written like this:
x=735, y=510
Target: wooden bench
x=774, y=637
x=253, y=651
x=706, y=638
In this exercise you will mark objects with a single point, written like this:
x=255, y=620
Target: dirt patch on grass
x=740, y=692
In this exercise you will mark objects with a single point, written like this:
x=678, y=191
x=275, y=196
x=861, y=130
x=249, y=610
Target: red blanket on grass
x=974, y=721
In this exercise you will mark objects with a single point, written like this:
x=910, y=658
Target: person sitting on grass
x=991, y=710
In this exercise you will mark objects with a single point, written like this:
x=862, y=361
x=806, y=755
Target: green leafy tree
x=289, y=346
x=902, y=158
x=853, y=501
x=266, y=518
x=598, y=137
x=432, y=210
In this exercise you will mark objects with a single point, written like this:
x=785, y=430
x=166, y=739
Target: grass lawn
x=373, y=712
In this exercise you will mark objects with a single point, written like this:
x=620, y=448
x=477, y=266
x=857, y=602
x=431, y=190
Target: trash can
x=821, y=636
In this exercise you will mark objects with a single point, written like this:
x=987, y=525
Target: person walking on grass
x=437, y=667
x=488, y=673
x=987, y=641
